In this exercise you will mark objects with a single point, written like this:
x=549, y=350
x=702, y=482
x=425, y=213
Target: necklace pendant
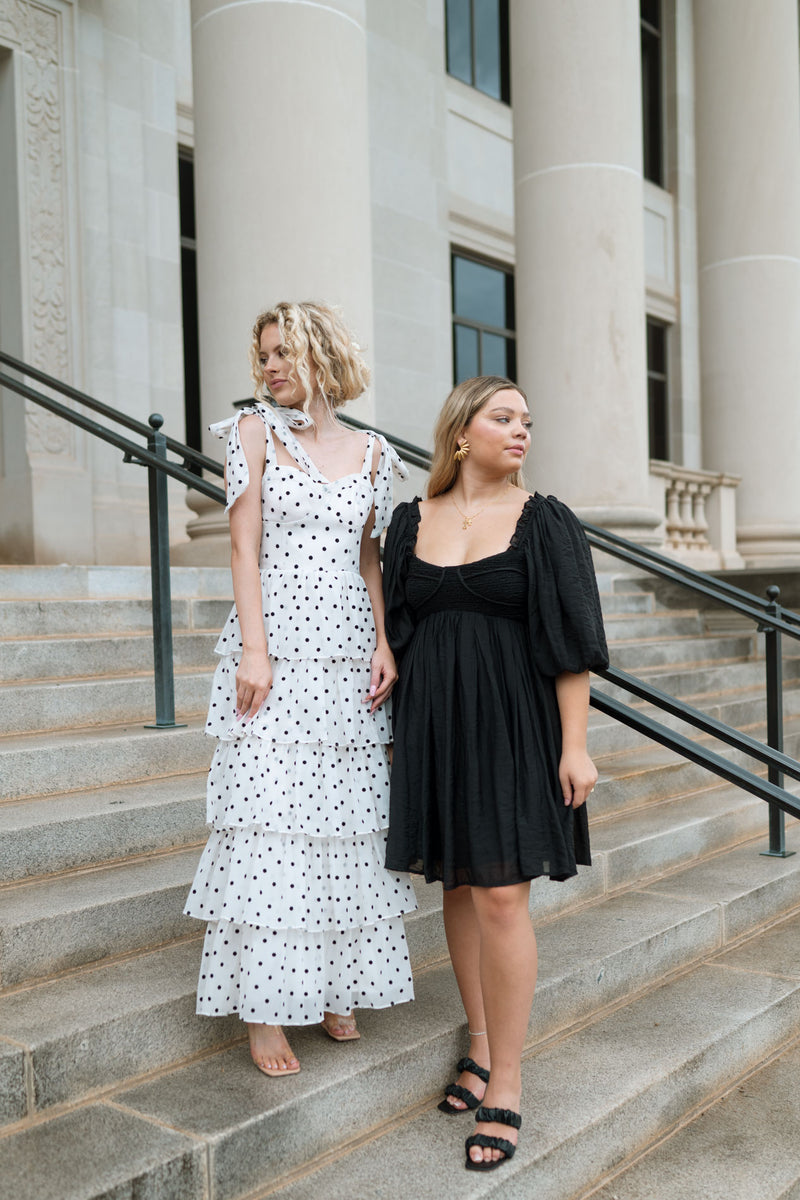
x=467, y=522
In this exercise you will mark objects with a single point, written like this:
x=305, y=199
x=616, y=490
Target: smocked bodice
x=495, y=586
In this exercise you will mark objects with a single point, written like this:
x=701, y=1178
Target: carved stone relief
x=35, y=29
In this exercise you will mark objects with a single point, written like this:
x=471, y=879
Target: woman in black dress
x=493, y=615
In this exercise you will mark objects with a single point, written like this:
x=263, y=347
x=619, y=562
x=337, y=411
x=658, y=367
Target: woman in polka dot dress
x=304, y=922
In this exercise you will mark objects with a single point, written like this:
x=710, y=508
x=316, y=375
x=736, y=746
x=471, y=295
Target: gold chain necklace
x=468, y=520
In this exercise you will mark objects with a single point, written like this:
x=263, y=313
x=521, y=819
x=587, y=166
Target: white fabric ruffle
x=293, y=978
x=313, y=701
x=287, y=881
x=322, y=791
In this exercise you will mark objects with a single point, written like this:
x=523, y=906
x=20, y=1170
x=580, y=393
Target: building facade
x=598, y=197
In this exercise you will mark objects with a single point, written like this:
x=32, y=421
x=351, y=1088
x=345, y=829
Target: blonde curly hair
x=316, y=342
x=465, y=400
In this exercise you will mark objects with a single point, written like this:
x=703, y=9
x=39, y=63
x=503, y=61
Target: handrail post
x=774, y=679
x=160, y=582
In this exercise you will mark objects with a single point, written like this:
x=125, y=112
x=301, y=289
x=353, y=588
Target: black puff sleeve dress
x=475, y=794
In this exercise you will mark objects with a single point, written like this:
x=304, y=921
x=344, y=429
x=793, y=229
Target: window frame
x=190, y=332
x=504, y=42
x=658, y=431
x=509, y=334
x=653, y=140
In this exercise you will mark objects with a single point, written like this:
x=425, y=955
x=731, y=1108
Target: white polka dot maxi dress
x=302, y=915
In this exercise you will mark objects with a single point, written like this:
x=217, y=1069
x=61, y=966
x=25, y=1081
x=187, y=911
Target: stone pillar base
x=209, y=542
x=768, y=546
x=641, y=525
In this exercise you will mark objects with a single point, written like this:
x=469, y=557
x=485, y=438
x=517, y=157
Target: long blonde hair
x=309, y=328
x=466, y=398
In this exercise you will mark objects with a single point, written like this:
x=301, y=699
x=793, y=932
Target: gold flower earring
x=462, y=451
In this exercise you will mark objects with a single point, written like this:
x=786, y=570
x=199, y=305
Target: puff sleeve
x=237, y=475
x=388, y=463
x=564, y=616
x=398, y=620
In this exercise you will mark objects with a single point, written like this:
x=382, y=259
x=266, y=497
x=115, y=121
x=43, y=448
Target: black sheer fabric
x=475, y=792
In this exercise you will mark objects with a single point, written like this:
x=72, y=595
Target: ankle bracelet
x=480, y=1033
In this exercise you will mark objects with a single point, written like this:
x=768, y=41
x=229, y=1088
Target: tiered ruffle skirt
x=302, y=915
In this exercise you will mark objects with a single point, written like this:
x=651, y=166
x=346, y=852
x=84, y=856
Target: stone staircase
x=669, y=985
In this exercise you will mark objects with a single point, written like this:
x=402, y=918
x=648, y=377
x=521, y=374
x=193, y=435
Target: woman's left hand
x=578, y=775
x=383, y=678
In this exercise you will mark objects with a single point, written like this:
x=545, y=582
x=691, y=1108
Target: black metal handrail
x=132, y=452
x=700, y=720
x=153, y=456
x=745, y=603
x=187, y=453
x=770, y=617
x=775, y=795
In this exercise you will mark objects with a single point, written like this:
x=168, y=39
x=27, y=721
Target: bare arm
x=254, y=676
x=576, y=770
x=384, y=669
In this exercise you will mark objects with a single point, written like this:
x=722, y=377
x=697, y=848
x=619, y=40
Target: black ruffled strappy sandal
x=502, y=1116
x=462, y=1093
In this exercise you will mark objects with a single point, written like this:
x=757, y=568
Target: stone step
x=107, y=817
x=85, y=829
x=59, y=658
x=48, y=764
x=638, y=846
x=643, y=1065
x=64, y=618
x=111, y=583
x=67, y=921
x=70, y=919
x=55, y=924
x=709, y=681
x=743, y=708
x=95, y=1026
x=589, y=1099
x=653, y=626
x=743, y=1146
x=650, y=774
x=80, y=703
x=689, y=651
x=717, y=827
x=626, y=602
x=594, y=948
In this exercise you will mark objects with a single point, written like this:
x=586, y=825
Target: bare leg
x=270, y=1050
x=463, y=942
x=508, y=979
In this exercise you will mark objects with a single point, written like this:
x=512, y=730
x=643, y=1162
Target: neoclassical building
x=599, y=197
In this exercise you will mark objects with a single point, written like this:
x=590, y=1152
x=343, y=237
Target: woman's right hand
x=253, y=682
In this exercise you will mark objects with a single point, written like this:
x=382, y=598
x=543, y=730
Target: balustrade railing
x=699, y=510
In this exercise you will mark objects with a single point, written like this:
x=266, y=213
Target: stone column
x=281, y=187
x=580, y=286
x=748, y=174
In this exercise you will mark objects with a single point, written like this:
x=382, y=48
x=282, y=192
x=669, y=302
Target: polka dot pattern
x=291, y=979
x=316, y=700
x=318, y=790
x=302, y=915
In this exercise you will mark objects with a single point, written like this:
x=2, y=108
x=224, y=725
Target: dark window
x=652, y=107
x=483, y=319
x=657, y=390
x=477, y=45
x=191, y=338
